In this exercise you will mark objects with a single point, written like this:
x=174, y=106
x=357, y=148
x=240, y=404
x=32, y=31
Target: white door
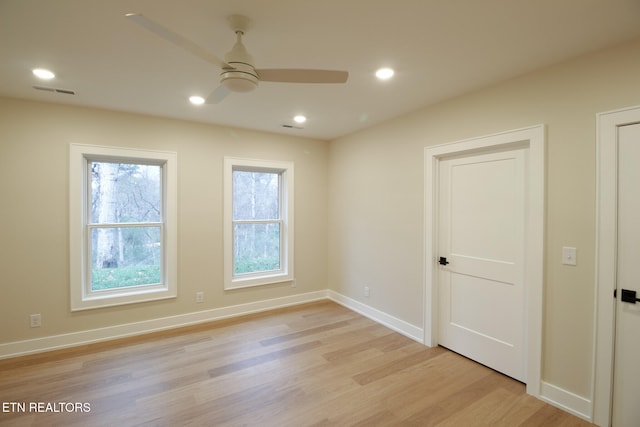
x=481, y=234
x=626, y=384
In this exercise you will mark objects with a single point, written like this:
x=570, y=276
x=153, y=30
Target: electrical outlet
x=35, y=320
x=367, y=291
x=293, y=283
x=199, y=296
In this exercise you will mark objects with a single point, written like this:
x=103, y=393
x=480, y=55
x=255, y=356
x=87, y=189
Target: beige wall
x=34, y=230
x=376, y=195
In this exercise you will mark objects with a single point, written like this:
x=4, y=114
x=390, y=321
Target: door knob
x=443, y=261
x=629, y=296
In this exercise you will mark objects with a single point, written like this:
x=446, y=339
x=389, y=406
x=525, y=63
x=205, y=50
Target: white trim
x=81, y=298
x=534, y=139
x=414, y=332
x=565, y=400
x=607, y=125
x=55, y=342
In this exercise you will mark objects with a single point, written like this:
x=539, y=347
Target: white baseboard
x=407, y=329
x=567, y=401
x=55, y=342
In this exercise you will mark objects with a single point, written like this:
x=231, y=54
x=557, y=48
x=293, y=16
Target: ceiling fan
x=237, y=71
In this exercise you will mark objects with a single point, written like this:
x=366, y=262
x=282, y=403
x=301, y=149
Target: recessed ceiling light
x=384, y=73
x=299, y=119
x=196, y=100
x=43, y=74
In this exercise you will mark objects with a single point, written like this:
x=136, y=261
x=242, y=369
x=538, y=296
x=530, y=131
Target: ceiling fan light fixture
x=239, y=83
x=300, y=119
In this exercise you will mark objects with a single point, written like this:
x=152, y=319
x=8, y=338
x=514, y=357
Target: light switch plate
x=569, y=256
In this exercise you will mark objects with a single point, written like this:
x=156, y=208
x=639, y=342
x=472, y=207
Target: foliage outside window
x=123, y=226
x=258, y=222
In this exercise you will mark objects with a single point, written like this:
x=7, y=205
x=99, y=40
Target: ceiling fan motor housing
x=242, y=77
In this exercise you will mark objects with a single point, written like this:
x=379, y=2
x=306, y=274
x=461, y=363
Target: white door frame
x=533, y=139
x=606, y=260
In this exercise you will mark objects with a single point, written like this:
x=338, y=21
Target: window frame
x=82, y=296
x=286, y=212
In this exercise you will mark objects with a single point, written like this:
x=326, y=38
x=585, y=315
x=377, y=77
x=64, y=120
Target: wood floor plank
x=396, y=365
x=264, y=358
x=316, y=364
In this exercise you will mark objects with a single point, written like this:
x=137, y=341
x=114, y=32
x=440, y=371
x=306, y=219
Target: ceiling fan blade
x=218, y=95
x=176, y=39
x=293, y=75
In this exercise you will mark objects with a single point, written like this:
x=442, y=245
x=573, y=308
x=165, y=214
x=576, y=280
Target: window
x=258, y=222
x=123, y=226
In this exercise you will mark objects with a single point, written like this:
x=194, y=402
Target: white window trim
x=81, y=297
x=285, y=274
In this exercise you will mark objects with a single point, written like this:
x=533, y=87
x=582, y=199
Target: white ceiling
x=439, y=49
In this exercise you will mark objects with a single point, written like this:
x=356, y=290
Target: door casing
x=533, y=139
x=606, y=263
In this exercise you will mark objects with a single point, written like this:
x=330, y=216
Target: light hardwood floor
x=317, y=364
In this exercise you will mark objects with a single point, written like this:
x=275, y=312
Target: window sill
x=247, y=282
x=117, y=299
